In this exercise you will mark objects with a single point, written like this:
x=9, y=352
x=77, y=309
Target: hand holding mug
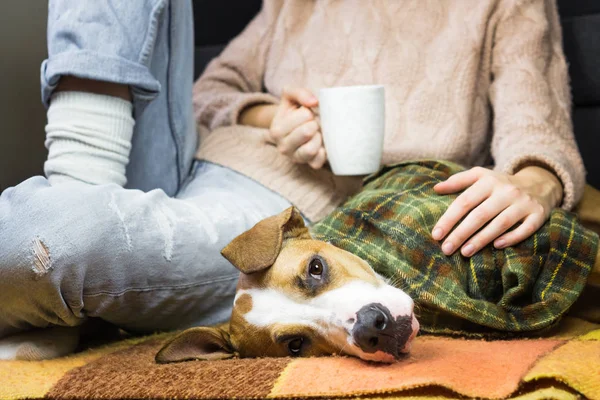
x=295, y=130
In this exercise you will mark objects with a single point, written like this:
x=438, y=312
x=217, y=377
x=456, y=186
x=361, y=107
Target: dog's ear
x=258, y=248
x=197, y=344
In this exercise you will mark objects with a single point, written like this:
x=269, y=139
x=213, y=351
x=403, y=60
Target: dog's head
x=298, y=296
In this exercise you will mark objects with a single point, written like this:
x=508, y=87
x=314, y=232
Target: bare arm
x=259, y=116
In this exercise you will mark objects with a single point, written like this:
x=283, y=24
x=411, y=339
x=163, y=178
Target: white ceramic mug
x=353, y=125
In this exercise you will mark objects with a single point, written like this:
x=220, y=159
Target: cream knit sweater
x=471, y=81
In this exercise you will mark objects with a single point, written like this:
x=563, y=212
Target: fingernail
x=437, y=233
x=468, y=250
x=500, y=243
x=447, y=248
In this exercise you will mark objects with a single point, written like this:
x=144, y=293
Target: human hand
x=495, y=202
x=294, y=129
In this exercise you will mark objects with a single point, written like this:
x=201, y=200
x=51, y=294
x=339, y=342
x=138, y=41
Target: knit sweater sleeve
x=234, y=79
x=531, y=98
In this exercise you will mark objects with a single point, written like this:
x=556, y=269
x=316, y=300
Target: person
x=469, y=82
x=464, y=81
x=126, y=226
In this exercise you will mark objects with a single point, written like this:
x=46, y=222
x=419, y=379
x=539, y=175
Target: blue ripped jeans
x=145, y=257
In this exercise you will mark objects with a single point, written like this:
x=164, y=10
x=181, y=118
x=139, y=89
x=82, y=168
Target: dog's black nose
x=375, y=329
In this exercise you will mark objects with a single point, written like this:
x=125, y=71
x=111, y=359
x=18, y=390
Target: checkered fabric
x=520, y=289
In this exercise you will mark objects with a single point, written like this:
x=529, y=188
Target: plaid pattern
x=520, y=289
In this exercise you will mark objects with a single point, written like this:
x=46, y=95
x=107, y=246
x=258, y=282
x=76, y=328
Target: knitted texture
x=88, y=137
x=523, y=288
x=473, y=82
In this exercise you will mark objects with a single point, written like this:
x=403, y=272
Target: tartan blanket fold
x=517, y=290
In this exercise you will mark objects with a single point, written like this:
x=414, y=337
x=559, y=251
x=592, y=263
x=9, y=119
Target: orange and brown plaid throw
x=565, y=365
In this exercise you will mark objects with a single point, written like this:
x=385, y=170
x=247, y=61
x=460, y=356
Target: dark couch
x=581, y=33
x=216, y=23
x=219, y=21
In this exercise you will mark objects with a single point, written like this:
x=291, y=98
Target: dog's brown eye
x=295, y=346
x=315, y=268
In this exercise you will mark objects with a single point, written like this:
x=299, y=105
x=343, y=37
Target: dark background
x=23, y=47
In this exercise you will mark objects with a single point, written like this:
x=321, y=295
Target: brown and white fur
x=298, y=296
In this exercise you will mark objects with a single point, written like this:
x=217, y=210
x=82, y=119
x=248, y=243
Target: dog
x=298, y=296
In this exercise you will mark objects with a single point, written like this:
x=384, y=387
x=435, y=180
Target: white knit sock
x=88, y=137
x=40, y=344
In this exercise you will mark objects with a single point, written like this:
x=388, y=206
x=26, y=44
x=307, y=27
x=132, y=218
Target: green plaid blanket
x=521, y=289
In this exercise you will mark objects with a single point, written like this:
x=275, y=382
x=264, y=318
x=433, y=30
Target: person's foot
x=40, y=344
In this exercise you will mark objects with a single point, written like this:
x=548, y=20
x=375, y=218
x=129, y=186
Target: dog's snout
x=374, y=316
x=376, y=330
x=372, y=322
